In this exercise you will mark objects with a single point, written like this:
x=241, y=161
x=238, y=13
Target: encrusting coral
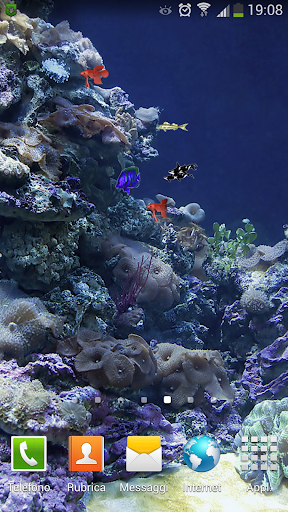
x=25, y=324
x=33, y=147
x=12, y=169
x=161, y=286
x=46, y=40
x=26, y=407
x=16, y=30
x=87, y=120
x=262, y=256
x=109, y=362
x=255, y=301
x=183, y=373
x=175, y=370
x=39, y=254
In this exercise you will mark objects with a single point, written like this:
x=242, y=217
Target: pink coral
x=162, y=284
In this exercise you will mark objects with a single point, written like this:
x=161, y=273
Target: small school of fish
x=167, y=126
x=96, y=74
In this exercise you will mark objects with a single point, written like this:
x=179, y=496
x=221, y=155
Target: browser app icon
x=143, y=453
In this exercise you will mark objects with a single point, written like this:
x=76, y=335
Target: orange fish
x=158, y=207
x=96, y=74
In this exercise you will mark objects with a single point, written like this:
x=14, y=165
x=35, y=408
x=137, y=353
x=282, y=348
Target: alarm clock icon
x=184, y=9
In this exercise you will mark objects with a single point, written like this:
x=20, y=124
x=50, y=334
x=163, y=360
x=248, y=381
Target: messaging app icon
x=28, y=453
x=143, y=453
x=86, y=453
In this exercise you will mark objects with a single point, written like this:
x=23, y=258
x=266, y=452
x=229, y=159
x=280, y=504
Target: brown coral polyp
x=161, y=287
x=114, y=363
x=183, y=373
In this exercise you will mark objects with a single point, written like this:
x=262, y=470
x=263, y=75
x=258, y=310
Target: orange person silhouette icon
x=86, y=453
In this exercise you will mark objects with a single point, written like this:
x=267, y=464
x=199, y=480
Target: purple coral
x=266, y=374
x=7, y=86
x=133, y=286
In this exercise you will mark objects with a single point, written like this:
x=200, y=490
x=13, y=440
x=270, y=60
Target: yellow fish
x=167, y=126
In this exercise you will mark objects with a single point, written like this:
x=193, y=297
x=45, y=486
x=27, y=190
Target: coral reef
x=262, y=255
x=161, y=285
x=88, y=121
x=33, y=147
x=39, y=255
x=25, y=324
x=121, y=418
x=183, y=373
x=10, y=90
x=56, y=70
x=255, y=301
x=11, y=169
x=99, y=272
x=27, y=408
x=39, y=199
x=112, y=363
x=83, y=300
x=265, y=374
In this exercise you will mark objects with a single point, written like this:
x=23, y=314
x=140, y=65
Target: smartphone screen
x=143, y=256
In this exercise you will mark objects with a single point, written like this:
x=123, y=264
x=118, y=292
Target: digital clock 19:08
x=270, y=9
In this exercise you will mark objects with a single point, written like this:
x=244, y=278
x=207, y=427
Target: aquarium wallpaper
x=143, y=256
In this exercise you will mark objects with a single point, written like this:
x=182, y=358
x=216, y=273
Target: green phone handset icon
x=28, y=453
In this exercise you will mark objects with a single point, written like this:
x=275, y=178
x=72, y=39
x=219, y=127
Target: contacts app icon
x=86, y=453
x=143, y=453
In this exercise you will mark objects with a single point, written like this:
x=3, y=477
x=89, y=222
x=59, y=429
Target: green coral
x=39, y=254
x=268, y=418
x=26, y=407
x=227, y=249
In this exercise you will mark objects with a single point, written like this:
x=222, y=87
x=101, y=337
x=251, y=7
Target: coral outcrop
x=33, y=147
x=262, y=256
x=266, y=374
x=87, y=120
x=27, y=408
x=161, y=285
x=183, y=373
x=108, y=362
x=11, y=169
x=255, y=301
x=25, y=324
x=83, y=300
x=39, y=255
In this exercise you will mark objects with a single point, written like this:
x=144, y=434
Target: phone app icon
x=28, y=453
x=86, y=453
x=143, y=453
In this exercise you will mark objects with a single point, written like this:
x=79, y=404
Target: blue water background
x=227, y=78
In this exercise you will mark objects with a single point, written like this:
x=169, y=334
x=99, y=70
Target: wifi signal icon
x=203, y=6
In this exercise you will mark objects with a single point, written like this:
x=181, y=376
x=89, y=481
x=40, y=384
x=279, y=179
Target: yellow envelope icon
x=143, y=453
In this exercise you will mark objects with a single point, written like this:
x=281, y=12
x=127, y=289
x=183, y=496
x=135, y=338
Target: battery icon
x=238, y=11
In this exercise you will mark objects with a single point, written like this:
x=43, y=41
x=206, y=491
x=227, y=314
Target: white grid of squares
x=256, y=456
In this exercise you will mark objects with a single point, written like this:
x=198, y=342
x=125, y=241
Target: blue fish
x=128, y=178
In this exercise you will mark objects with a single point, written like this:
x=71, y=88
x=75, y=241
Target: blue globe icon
x=201, y=453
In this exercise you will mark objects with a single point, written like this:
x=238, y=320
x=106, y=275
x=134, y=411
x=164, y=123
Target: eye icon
x=165, y=10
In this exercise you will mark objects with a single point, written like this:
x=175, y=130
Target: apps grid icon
x=259, y=452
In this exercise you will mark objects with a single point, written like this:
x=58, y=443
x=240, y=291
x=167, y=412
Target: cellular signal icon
x=225, y=13
x=203, y=6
